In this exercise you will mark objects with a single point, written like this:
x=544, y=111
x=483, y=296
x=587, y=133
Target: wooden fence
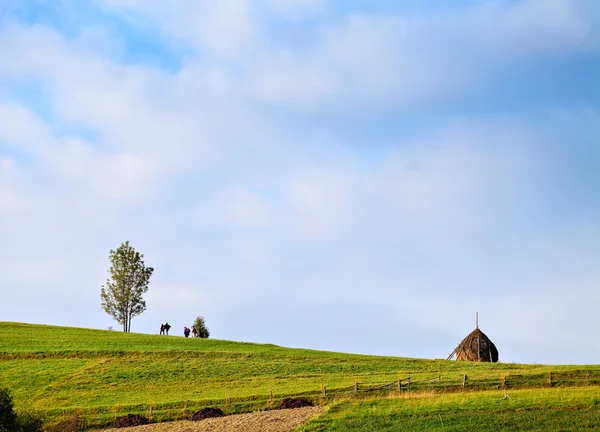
x=465, y=382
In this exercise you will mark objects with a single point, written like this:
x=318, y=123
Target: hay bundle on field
x=476, y=347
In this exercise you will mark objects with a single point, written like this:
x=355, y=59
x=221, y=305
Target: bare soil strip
x=266, y=421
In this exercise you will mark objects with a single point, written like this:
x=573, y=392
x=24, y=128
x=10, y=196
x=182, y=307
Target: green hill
x=103, y=373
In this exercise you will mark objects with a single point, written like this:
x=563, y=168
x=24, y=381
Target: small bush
x=8, y=418
x=28, y=421
x=201, y=329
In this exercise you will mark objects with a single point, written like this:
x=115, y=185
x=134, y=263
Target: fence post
x=324, y=391
x=227, y=401
x=408, y=383
x=504, y=381
x=550, y=378
x=399, y=384
x=355, y=386
x=150, y=410
x=465, y=379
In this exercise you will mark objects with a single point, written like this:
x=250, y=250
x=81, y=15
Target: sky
x=355, y=176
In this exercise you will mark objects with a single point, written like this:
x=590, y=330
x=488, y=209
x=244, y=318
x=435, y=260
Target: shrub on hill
x=8, y=418
x=201, y=329
x=11, y=422
x=29, y=422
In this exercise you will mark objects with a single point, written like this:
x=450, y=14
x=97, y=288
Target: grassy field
x=102, y=374
x=556, y=409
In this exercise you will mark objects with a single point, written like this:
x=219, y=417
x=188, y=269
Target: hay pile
x=205, y=413
x=131, y=420
x=291, y=403
x=476, y=347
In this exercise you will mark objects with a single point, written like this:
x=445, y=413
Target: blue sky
x=352, y=176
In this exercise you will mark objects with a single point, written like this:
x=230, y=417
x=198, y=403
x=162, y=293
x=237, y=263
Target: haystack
x=476, y=347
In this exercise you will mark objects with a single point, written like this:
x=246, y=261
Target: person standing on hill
x=194, y=332
x=186, y=331
x=167, y=327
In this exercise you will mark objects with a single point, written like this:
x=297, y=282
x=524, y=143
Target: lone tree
x=129, y=279
x=201, y=329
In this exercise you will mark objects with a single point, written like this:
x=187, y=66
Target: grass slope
x=556, y=409
x=102, y=373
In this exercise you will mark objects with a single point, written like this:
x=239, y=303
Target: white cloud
x=12, y=198
x=285, y=78
x=365, y=58
x=225, y=29
x=370, y=58
x=124, y=176
x=118, y=175
x=533, y=26
x=22, y=129
x=293, y=9
x=245, y=208
x=319, y=202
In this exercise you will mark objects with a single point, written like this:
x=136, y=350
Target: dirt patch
x=130, y=420
x=267, y=421
x=288, y=403
x=205, y=413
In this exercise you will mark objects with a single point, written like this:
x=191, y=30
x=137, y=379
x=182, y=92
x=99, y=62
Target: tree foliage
x=11, y=422
x=201, y=329
x=8, y=418
x=29, y=421
x=129, y=278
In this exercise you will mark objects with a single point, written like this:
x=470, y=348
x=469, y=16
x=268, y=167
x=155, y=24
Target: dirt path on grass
x=266, y=421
